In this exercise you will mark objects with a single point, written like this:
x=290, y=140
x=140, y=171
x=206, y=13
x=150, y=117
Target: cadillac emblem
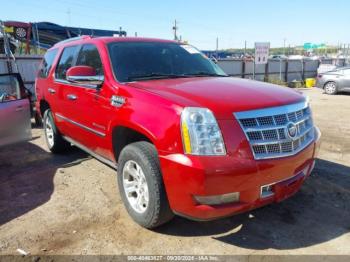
x=291, y=130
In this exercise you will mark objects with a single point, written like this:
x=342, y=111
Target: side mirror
x=213, y=59
x=84, y=75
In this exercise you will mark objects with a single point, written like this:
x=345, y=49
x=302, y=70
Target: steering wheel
x=2, y=96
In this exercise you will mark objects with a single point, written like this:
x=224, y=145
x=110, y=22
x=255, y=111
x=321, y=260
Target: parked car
x=334, y=81
x=323, y=68
x=186, y=138
x=278, y=57
x=14, y=110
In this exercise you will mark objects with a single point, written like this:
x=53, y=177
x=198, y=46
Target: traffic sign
x=261, y=53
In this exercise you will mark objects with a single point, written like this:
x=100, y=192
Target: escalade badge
x=291, y=130
x=117, y=101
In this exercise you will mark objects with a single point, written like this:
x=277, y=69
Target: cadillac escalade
x=185, y=138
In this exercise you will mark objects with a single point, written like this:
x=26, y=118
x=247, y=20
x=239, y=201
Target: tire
x=156, y=211
x=330, y=88
x=54, y=139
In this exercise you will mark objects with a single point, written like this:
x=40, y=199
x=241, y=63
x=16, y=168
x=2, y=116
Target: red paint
x=81, y=71
x=153, y=108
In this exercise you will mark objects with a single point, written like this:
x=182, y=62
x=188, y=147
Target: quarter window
x=66, y=61
x=89, y=56
x=46, y=64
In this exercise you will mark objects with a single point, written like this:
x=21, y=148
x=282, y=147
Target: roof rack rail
x=73, y=39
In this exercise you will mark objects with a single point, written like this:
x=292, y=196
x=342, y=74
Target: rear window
x=66, y=61
x=46, y=64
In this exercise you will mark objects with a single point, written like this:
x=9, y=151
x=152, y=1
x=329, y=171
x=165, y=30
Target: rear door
x=15, y=125
x=44, y=87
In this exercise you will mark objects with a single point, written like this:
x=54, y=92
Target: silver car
x=15, y=125
x=335, y=81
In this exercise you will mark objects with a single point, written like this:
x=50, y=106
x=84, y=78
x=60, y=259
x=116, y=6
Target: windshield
x=132, y=61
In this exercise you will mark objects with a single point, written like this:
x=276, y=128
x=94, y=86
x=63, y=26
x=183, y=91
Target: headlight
x=201, y=134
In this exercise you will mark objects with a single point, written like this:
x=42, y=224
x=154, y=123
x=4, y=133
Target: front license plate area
x=288, y=187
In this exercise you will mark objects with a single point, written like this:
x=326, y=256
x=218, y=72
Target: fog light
x=266, y=191
x=218, y=199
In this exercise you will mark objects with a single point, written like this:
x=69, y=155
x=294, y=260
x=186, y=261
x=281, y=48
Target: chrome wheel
x=49, y=132
x=135, y=186
x=330, y=88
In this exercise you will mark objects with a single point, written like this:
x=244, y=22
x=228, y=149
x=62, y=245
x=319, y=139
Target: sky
x=199, y=22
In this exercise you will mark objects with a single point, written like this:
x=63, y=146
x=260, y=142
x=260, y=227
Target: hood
x=222, y=95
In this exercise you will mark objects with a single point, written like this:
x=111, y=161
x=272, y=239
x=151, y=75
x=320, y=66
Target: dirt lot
x=70, y=205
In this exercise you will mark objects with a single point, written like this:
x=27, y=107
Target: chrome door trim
x=95, y=155
x=65, y=82
x=81, y=125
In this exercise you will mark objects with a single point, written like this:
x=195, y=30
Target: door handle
x=19, y=108
x=72, y=97
x=51, y=90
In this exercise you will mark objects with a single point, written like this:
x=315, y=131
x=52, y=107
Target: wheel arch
x=43, y=106
x=123, y=135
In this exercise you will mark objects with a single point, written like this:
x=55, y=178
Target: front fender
x=154, y=117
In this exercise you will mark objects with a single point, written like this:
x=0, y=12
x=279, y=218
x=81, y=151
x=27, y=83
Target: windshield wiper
x=154, y=76
x=200, y=74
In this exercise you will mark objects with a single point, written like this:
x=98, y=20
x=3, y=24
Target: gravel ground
x=70, y=204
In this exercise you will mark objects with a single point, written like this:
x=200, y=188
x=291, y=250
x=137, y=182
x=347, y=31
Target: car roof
x=110, y=39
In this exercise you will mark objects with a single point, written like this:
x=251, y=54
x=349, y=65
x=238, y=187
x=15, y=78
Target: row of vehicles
x=185, y=138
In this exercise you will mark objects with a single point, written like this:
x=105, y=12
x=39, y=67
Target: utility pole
x=245, y=47
x=217, y=45
x=284, y=46
x=68, y=16
x=175, y=28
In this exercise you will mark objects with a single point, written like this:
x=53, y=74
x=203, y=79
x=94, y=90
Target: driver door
x=15, y=124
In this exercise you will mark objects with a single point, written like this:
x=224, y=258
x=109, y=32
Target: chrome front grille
x=278, y=131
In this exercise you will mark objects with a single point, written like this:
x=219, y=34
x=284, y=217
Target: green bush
x=296, y=84
x=276, y=81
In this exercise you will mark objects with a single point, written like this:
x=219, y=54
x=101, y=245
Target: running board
x=93, y=154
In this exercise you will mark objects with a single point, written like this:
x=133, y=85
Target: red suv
x=186, y=138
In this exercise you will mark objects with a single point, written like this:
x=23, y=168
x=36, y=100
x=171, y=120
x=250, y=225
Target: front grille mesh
x=267, y=130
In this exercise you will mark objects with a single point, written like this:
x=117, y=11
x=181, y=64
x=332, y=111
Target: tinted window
x=66, y=61
x=46, y=64
x=89, y=56
x=131, y=60
x=9, y=88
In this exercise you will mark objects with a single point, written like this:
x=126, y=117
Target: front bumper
x=188, y=176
